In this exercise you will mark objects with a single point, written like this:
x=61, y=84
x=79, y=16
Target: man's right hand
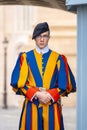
x=43, y=97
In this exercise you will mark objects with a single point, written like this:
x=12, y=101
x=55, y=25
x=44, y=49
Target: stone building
x=17, y=24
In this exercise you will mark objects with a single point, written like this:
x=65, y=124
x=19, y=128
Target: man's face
x=42, y=40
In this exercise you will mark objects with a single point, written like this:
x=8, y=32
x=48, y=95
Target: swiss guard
x=42, y=76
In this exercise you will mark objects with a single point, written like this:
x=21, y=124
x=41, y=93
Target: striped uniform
x=51, y=72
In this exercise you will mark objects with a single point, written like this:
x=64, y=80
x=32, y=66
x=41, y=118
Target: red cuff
x=30, y=92
x=54, y=93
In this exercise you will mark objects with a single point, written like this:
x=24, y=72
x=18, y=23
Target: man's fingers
x=45, y=99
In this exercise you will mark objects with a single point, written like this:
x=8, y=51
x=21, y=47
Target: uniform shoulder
x=25, y=54
x=60, y=56
x=55, y=52
x=28, y=53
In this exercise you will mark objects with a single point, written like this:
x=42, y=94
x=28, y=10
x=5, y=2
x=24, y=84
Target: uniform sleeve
x=66, y=80
x=54, y=94
x=19, y=78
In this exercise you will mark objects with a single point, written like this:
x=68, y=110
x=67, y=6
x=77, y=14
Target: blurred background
x=16, y=26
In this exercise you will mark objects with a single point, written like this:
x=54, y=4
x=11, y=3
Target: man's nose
x=42, y=38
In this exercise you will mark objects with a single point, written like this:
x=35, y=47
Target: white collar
x=42, y=51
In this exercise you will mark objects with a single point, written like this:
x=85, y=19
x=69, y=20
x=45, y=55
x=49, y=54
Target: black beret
x=40, y=28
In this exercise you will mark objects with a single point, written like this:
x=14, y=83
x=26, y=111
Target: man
x=42, y=76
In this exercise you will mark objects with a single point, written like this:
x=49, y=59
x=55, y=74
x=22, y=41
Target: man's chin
x=41, y=46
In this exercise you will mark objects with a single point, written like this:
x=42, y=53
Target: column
x=82, y=67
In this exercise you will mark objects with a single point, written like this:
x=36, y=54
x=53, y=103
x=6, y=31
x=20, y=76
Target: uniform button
x=42, y=73
x=42, y=70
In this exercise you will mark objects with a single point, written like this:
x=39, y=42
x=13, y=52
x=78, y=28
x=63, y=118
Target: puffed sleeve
x=66, y=80
x=19, y=78
x=19, y=74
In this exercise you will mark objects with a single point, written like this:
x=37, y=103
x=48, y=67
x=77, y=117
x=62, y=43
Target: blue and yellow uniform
x=34, y=71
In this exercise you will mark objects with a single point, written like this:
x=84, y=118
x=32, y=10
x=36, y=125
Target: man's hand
x=44, y=97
